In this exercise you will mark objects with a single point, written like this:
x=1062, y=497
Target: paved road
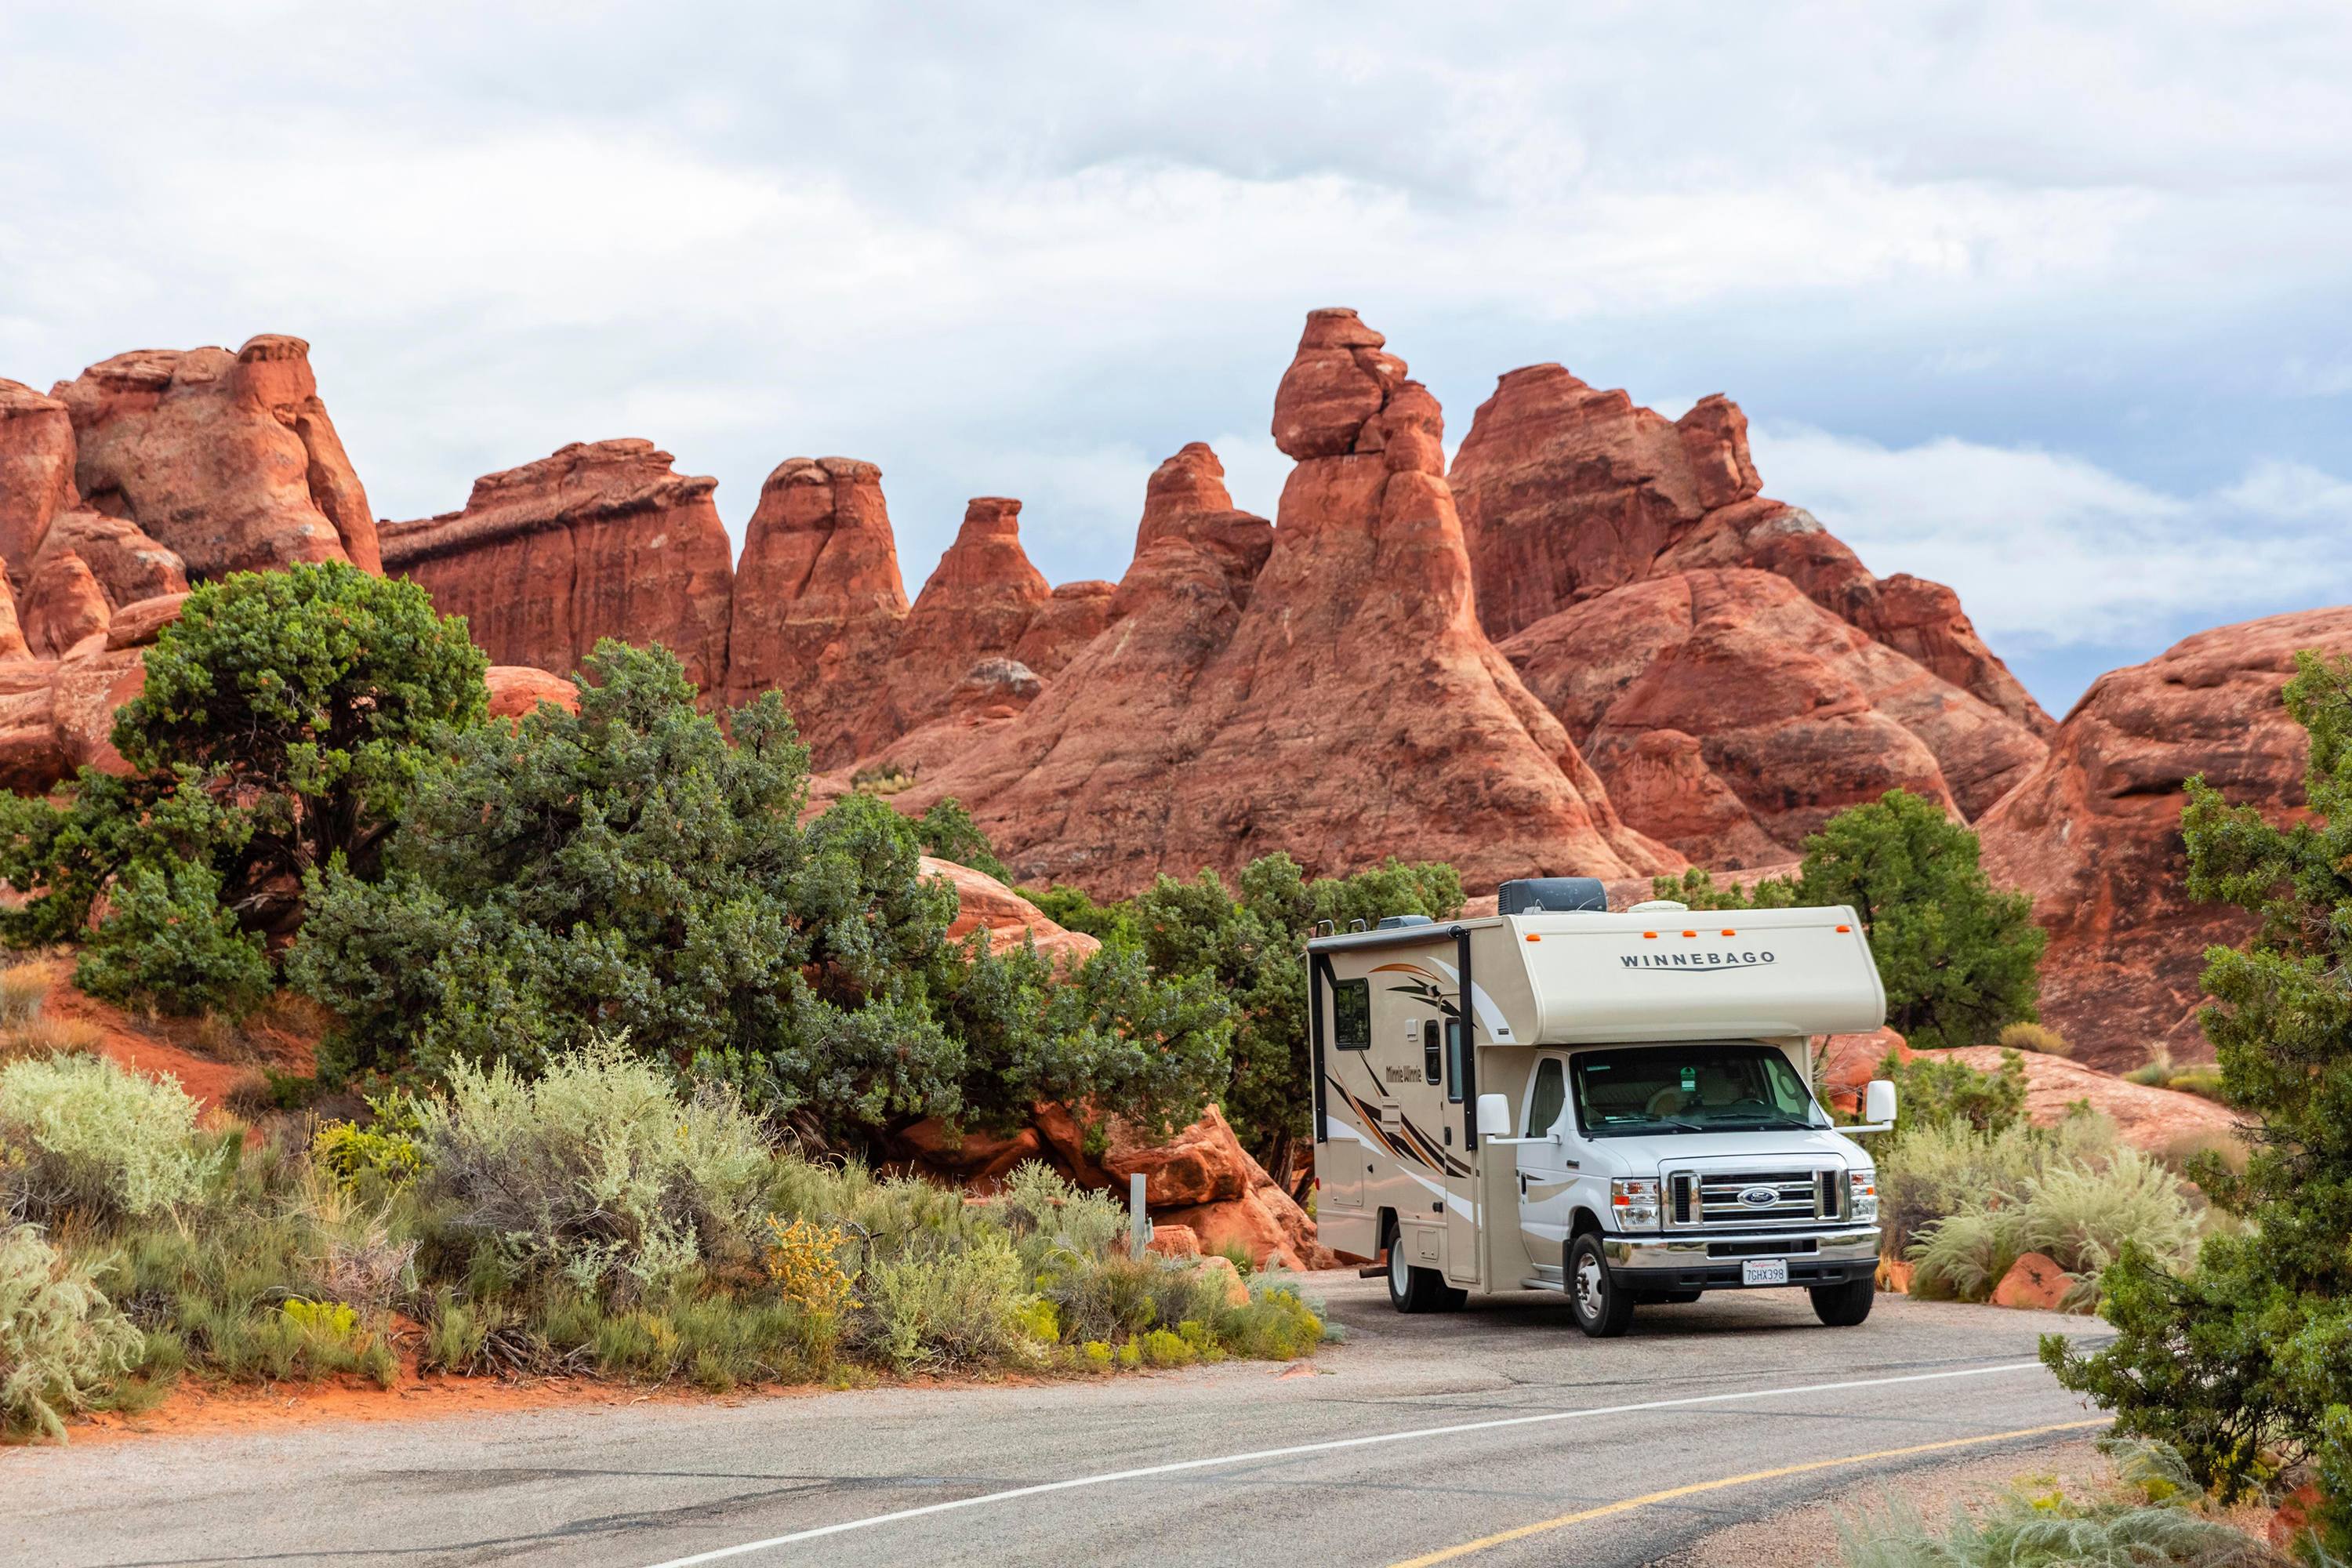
x=1418, y=1436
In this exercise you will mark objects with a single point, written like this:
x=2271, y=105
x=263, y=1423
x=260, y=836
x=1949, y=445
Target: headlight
x=1862, y=1187
x=1635, y=1201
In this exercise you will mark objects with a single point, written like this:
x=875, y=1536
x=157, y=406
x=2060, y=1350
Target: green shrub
x=99, y=1138
x=1935, y=1169
x=382, y=1156
x=168, y=945
x=948, y=1309
x=1057, y=1225
x=1945, y=1089
x=597, y=1172
x=62, y=1342
x=1278, y=1324
x=2077, y=1213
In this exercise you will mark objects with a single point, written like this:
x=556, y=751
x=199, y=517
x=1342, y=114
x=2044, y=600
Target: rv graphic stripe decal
x=1408, y=1143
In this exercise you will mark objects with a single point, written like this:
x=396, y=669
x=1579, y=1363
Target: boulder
x=31, y=759
x=1843, y=1064
x=229, y=461
x=983, y=903
x=2035, y=1282
x=141, y=622
x=601, y=538
x=1203, y=1163
x=12, y=632
x=90, y=683
x=1730, y=716
x=1349, y=666
x=36, y=472
x=1174, y=1241
x=818, y=600
x=129, y=566
x=63, y=604
x=518, y=688
x=1568, y=491
x=2093, y=833
x=1220, y=1268
x=974, y=1159
x=2157, y=1121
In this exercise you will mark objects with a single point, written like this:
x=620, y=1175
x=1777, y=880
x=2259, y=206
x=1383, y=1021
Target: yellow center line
x=1504, y=1537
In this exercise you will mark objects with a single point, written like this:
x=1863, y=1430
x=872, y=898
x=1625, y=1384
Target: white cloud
x=2049, y=551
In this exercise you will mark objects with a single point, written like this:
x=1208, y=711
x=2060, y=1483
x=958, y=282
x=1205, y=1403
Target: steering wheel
x=1666, y=1102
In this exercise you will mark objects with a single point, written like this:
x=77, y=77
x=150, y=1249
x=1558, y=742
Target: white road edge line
x=717, y=1553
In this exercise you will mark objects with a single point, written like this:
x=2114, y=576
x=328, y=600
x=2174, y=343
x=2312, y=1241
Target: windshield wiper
x=1768, y=1123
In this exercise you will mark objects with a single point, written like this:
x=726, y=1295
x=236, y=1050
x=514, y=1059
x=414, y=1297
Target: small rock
x=2035, y=1282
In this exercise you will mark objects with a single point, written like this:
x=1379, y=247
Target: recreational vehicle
x=1616, y=1106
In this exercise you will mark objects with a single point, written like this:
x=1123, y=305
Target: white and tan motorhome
x=1617, y=1106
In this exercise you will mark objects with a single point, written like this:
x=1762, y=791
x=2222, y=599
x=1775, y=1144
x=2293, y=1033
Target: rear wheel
x=1603, y=1309
x=1412, y=1290
x=1843, y=1306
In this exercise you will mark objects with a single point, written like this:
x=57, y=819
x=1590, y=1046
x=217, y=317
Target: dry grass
x=2037, y=1037
x=49, y=1036
x=23, y=987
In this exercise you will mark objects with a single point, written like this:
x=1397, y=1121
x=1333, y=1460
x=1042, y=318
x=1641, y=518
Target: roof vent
x=1551, y=895
x=1399, y=922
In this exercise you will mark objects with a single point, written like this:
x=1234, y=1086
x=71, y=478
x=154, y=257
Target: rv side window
x=1454, y=1060
x=1429, y=1069
x=1548, y=1097
x=1352, y=1015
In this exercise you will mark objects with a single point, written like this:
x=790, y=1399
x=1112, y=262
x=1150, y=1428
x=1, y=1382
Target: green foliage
x=1073, y=908
x=97, y=1141
x=2245, y=1361
x=939, y=1309
x=62, y=1342
x=381, y=1157
x=283, y=722
x=168, y=941
x=1250, y=942
x=1959, y=960
x=1938, y=1167
x=1931, y=1089
x=947, y=831
x=1278, y=1324
x=595, y=1173
x=634, y=868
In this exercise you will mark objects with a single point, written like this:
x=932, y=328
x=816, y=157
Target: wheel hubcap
x=1590, y=1285
x=1397, y=1273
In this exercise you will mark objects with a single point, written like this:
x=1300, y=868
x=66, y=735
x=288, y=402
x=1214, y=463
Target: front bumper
x=1701, y=1261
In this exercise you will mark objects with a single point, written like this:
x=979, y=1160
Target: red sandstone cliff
x=2094, y=832
x=601, y=538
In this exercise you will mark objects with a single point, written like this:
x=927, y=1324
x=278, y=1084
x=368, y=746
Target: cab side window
x=1352, y=1015
x=1453, y=1066
x=1547, y=1099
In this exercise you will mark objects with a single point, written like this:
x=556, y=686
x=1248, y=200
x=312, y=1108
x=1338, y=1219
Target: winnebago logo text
x=1696, y=960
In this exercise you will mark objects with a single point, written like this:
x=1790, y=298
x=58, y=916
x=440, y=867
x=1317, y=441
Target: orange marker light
x=1728, y=932
x=1533, y=937
x=1649, y=936
x=1845, y=928
x=1690, y=934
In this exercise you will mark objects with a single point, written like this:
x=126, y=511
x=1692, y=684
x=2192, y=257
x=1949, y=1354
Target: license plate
x=1764, y=1271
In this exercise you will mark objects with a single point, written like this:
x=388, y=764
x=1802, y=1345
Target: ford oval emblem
x=1759, y=1197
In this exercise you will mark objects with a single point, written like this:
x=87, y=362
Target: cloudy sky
x=2047, y=302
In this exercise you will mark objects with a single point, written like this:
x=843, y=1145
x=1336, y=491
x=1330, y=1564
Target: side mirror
x=1495, y=1116
x=1878, y=1102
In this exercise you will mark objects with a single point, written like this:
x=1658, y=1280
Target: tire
x=1843, y=1306
x=1602, y=1309
x=1412, y=1290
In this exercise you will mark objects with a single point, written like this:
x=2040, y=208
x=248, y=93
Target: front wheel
x=1412, y=1290
x=1603, y=1309
x=1843, y=1306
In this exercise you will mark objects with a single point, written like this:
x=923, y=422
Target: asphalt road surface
x=1497, y=1436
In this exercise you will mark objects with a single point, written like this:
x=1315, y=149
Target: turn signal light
x=1649, y=936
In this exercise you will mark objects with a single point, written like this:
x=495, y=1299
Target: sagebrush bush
x=62, y=1342
x=1935, y=1169
x=2078, y=1212
x=1055, y=1224
x=2037, y=1037
x=1278, y=1324
x=943, y=1308
x=598, y=1172
x=99, y=1139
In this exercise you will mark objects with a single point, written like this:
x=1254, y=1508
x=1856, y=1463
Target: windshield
x=1690, y=1089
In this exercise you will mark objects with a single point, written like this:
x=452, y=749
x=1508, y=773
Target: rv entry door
x=1462, y=1215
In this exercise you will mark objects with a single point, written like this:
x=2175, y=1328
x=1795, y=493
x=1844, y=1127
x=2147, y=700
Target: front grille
x=1715, y=1199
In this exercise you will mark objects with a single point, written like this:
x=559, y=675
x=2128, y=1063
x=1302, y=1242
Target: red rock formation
x=127, y=565
x=63, y=606
x=12, y=634
x=818, y=600
x=1730, y=715
x=977, y=604
x=228, y=460
x=1076, y=615
x=518, y=688
x=1339, y=702
x=1568, y=491
x=983, y=903
x=31, y=760
x=36, y=471
x=601, y=538
x=141, y=622
x=1909, y=614
x=2094, y=832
